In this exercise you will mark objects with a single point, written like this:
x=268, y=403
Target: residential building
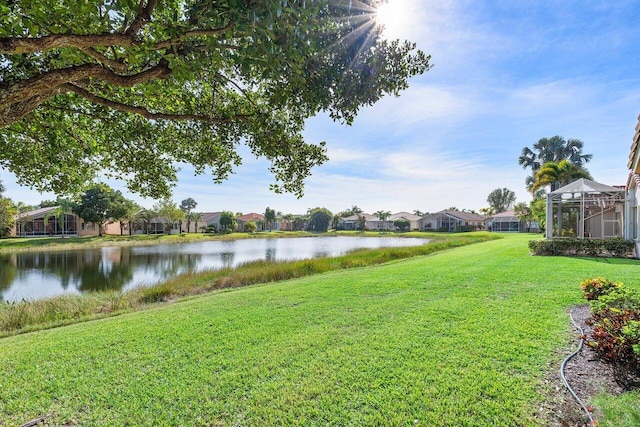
x=48, y=222
x=414, y=220
x=632, y=205
x=256, y=218
x=371, y=222
x=451, y=221
x=507, y=221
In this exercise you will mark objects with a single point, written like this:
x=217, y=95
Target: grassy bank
x=463, y=337
x=66, y=309
x=59, y=243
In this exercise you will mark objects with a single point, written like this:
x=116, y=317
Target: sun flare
x=393, y=16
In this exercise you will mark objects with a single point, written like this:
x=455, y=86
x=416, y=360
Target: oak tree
x=319, y=219
x=100, y=203
x=133, y=89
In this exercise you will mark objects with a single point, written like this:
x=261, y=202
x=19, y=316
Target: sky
x=506, y=73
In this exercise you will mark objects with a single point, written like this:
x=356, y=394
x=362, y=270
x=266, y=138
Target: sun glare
x=393, y=15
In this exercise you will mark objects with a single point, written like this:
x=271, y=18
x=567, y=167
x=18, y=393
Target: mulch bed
x=586, y=375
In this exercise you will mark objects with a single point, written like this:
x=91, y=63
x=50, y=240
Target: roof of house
x=506, y=216
x=251, y=217
x=633, y=154
x=210, y=216
x=405, y=215
x=465, y=216
x=37, y=212
x=356, y=217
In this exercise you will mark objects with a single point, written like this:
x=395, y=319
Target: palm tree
x=382, y=216
x=187, y=205
x=196, y=217
x=130, y=215
x=557, y=174
x=554, y=149
x=147, y=215
x=269, y=218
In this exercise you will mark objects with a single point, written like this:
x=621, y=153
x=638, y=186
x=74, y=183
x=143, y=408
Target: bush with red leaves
x=616, y=327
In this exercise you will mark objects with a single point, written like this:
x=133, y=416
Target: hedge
x=616, y=247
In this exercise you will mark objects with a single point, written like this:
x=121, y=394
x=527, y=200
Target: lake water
x=34, y=275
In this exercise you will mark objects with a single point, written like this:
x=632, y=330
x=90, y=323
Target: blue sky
x=506, y=73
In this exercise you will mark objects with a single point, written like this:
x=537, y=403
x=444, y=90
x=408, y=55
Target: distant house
x=350, y=223
x=414, y=220
x=371, y=222
x=508, y=222
x=256, y=218
x=296, y=223
x=211, y=220
x=47, y=221
x=451, y=221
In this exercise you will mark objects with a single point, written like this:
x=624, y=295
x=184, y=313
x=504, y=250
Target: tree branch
x=17, y=110
x=116, y=65
x=193, y=33
x=237, y=86
x=144, y=16
x=23, y=97
x=55, y=78
x=148, y=114
x=24, y=45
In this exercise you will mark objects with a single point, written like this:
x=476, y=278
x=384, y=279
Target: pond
x=35, y=275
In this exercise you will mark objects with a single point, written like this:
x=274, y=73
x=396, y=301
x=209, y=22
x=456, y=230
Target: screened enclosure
x=585, y=209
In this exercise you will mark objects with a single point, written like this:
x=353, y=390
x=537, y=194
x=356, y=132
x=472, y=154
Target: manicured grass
x=26, y=316
x=461, y=338
x=620, y=411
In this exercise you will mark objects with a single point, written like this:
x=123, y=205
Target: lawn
x=464, y=337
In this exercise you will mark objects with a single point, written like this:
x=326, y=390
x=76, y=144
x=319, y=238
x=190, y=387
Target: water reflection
x=7, y=271
x=40, y=274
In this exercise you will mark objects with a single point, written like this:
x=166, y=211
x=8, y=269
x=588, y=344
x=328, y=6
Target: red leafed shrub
x=616, y=327
x=592, y=289
x=614, y=345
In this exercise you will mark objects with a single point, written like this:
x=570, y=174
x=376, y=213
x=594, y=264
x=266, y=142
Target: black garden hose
x=564, y=379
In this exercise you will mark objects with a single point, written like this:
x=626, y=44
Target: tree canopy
x=557, y=174
x=228, y=220
x=132, y=89
x=100, y=203
x=8, y=214
x=554, y=149
x=501, y=199
x=167, y=209
x=319, y=219
x=269, y=218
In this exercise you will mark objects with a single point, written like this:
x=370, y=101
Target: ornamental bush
x=616, y=247
x=616, y=327
x=592, y=289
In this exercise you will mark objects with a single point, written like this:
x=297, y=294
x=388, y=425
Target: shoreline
x=36, y=244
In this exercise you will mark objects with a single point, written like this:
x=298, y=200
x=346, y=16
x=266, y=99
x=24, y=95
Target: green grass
x=463, y=337
x=27, y=316
x=620, y=411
